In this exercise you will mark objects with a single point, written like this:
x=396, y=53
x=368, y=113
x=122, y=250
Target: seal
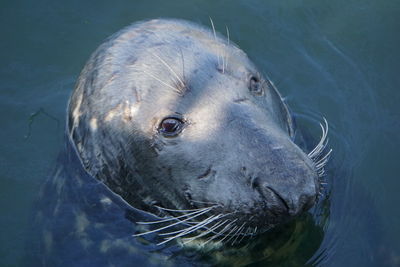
x=172, y=134
x=179, y=122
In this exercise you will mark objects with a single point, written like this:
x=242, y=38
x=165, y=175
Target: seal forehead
x=171, y=37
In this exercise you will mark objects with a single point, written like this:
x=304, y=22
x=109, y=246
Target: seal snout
x=286, y=202
x=289, y=186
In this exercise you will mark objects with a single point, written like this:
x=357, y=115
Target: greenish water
x=338, y=59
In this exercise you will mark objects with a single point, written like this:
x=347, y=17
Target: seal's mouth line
x=319, y=156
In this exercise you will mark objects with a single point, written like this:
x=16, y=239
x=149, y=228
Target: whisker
x=168, y=226
x=222, y=231
x=170, y=68
x=246, y=233
x=206, y=232
x=227, y=34
x=321, y=144
x=229, y=234
x=215, y=38
x=222, y=217
x=223, y=63
x=316, y=155
x=238, y=234
x=198, y=223
x=226, y=57
x=206, y=220
x=255, y=231
x=213, y=28
x=324, y=158
x=183, y=230
x=205, y=202
x=235, y=233
x=166, y=84
x=183, y=64
x=191, y=229
x=172, y=218
x=189, y=210
x=226, y=228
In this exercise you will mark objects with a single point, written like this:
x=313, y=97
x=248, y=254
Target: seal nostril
x=285, y=204
x=308, y=201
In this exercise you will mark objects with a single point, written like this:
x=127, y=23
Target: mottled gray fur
x=235, y=152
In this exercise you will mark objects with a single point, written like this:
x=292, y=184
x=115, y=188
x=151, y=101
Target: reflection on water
x=335, y=59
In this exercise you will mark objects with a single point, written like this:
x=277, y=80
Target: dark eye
x=170, y=127
x=255, y=86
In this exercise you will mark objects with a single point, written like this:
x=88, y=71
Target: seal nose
x=293, y=202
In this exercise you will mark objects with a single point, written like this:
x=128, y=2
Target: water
x=338, y=59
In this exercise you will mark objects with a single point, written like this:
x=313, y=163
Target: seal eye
x=255, y=85
x=170, y=127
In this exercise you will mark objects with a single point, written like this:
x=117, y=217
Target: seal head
x=173, y=117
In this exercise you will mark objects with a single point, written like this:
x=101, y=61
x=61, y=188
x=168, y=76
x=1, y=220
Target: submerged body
x=172, y=119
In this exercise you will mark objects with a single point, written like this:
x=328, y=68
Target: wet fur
x=155, y=66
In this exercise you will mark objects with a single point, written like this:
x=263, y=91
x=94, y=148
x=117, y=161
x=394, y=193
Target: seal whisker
x=324, y=159
x=223, y=63
x=183, y=64
x=221, y=217
x=225, y=53
x=166, y=84
x=206, y=232
x=226, y=228
x=215, y=39
x=245, y=233
x=231, y=223
x=238, y=233
x=321, y=165
x=316, y=155
x=222, y=231
x=170, y=68
x=185, y=229
x=190, y=210
x=320, y=146
x=198, y=223
x=172, y=218
x=191, y=229
x=227, y=34
x=205, y=202
x=235, y=233
x=228, y=234
x=255, y=231
x=218, y=233
x=323, y=147
x=168, y=226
